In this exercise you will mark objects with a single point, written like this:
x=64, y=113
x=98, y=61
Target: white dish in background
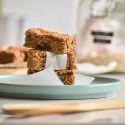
x=89, y=68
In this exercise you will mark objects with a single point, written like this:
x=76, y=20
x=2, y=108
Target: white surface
x=55, y=15
x=46, y=76
x=10, y=30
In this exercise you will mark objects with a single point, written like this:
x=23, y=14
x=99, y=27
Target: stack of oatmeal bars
x=42, y=41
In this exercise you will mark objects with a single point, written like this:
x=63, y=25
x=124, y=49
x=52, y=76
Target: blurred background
x=98, y=26
x=17, y=16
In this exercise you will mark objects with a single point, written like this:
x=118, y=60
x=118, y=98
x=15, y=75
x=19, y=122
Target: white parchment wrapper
x=49, y=77
x=58, y=61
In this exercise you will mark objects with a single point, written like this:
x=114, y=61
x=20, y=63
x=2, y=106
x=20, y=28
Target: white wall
x=56, y=15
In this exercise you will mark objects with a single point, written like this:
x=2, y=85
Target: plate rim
x=57, y=91
x=116, y=81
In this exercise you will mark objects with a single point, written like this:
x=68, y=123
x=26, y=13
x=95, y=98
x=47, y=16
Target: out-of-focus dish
x=106, y=59
x=13, y=60
x=13, y=55
x=99, y=88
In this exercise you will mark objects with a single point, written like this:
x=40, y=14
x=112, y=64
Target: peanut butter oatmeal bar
x=20, y=52
x=50, y=41
x=71, y=61
x=36, y=59
x=7, y=57
x=13, y=55
x=66, y=76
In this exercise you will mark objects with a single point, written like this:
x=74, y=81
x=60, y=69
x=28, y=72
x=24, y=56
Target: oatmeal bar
x=49, y=41
x=71, y=61
x=66, y=76
x=21, y=52
x=36, y=59
x=7, y=57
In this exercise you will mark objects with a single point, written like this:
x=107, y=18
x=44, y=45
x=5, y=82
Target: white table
x=100, y=117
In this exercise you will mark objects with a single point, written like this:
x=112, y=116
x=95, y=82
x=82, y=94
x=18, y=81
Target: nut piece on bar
x=36, y=59
x=7, y=57
x=66, y=76
x=50, y=41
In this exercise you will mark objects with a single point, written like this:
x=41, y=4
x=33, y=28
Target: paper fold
x=59, y=61
x=49, y=77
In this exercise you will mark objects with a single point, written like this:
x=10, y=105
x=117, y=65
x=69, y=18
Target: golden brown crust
x=36, y=53
x=50, y=41
x=71, y=61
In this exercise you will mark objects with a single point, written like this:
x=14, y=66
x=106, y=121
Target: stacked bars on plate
x=42, y=41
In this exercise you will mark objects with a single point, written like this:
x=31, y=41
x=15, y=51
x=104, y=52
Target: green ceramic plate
x=99, y=88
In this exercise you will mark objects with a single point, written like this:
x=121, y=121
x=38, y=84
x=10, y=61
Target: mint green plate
x=99, y=88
